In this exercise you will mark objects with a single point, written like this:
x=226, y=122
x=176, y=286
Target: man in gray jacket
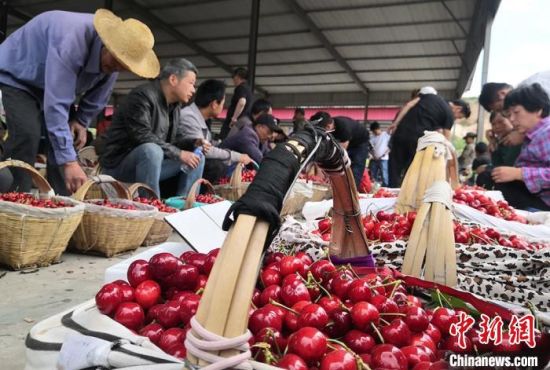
x=208, y=104
x=144, y=144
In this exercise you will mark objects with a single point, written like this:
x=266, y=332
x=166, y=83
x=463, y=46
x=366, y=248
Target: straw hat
x=130, y=41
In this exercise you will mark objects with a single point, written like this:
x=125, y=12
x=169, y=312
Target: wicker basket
x=87, y=156
x=191, y=200
x=160, y=230
x=32, y=236
x=108, y=231
x=236, y=188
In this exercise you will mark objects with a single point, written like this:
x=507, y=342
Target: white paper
x=201, y=227
x=81, y=352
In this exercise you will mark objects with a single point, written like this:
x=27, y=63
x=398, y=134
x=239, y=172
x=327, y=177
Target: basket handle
x=192, y=195
x=132, y=189
x=121, y=190
x=42, y=184
x=236, y=176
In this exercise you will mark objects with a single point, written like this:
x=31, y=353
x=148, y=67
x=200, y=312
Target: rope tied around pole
x=440, y=192
x=441, y=144
x=204, y=348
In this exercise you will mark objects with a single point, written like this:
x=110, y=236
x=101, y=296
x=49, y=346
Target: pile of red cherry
x=208, y=198
x=389, y=227
x=109, y=204
x=384, y=193
x=485, y=204
x=30, y=200
x=314, y=179
x=247, y=176
x=157, y=203
x=304, y=314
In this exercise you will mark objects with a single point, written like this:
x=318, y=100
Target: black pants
x=518, y=196
x=224, y=131
x=401, y=156
x=25, y=121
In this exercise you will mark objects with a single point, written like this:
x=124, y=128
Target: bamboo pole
x=213, y=310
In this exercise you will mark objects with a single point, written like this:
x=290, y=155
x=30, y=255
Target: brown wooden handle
x=236, y=176
x=192, y=195
x=121, y=190
x=43, y=186
x=132, y=189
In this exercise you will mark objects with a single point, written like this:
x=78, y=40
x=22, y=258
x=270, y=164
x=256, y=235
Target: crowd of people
x=163, y=128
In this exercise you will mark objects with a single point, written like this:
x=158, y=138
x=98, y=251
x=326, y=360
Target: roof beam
x=296, y=8
x=449, y=11
x=322, y=73
x=319, y=46
x=484, y=8
x=426, y=80
x=19, y=14
x=340, y=28
x=386, y=4
x=181, y=37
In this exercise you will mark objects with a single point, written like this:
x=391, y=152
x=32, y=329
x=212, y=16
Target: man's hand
x=206, y=145
x=245, y=159
x=232, y=122
x=74, y=176
x=506, y=174
x=513, y=138
x=189, y=158
x=80, y=134
x=392, y=128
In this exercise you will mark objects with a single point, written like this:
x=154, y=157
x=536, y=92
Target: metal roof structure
x=310, y=52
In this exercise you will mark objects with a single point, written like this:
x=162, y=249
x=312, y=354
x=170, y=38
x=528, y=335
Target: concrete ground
x=32, y=295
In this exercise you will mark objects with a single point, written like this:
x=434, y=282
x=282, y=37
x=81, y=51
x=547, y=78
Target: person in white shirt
x=378, y=164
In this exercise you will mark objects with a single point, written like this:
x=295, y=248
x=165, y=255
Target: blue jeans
x=379, y=171
x=146, y=164
x=358, y=157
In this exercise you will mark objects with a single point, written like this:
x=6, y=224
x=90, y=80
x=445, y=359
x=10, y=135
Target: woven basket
x=191, y=200
x=160, y=230
x=32, y=236
x=236, y=188
x=108, y=231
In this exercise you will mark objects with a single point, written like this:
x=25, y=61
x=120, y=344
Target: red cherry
x=322, y=270
x=169, y=315
x=330, y=303
x=363, y=314
x=272, y=337
x=163, y=264
x=130, y=314
x=171, y=337
x=359, y=290
x=397, y=333
x=505, y=346
x=416, y=354
x=433, y=332
x=314, y=316
x=188, y=307
x=388, y=357
x=340, y=323
x=109, y=298
x=291, y=361
x=272, y=292
x=358, y=341
x=270, y=277
x=339, y=359
x=443, y=318
x=153, y=332
x=291, y=264
x=127, y=293
x=308, y=343
x=416, y=319
x=147, y=293
x=138, y=272
x=341, y=283
x=423, y=339
x=264, y=318
x=291, y=316
x=293, y=292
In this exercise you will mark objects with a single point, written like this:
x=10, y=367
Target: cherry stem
x=200, y=291
x=384, y=321
x=377, y=332
x=533, y=311
x=445, y=298
x=275, y=303
x=391, y=314
x=395, y=288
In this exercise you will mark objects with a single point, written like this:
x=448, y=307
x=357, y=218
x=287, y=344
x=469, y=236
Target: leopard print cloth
x=493, y=272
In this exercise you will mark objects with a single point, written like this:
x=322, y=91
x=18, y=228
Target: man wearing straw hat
x=46, y=64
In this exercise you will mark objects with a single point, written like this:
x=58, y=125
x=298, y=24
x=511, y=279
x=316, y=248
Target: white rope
x=442, y=145
x=202, y=348
x=440, y=192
